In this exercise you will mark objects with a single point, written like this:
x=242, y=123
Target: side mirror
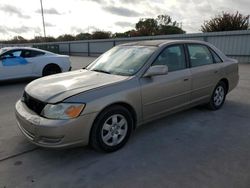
x=156, y=70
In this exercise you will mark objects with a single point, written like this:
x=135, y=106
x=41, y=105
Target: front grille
x=33, y=104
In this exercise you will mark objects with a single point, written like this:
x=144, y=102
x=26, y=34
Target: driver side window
x=173, y=57
x=11, y=54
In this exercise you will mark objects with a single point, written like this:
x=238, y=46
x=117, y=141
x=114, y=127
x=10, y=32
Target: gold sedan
x=127, y=86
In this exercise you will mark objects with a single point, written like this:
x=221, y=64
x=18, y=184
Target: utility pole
x=44, y=32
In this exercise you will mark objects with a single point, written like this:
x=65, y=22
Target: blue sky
x=22, y=17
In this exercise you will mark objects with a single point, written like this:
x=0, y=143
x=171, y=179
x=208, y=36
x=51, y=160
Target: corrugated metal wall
x=235, y=44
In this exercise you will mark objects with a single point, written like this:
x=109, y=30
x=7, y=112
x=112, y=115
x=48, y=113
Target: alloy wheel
x=114, y=130
x=219, y=95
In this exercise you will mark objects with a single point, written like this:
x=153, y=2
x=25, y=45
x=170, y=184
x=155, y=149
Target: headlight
x=62, y=110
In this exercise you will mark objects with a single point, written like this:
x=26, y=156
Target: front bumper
x=53, y=133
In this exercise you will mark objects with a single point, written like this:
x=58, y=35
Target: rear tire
x=218, y=97
x=112, y=129
x=51, y=69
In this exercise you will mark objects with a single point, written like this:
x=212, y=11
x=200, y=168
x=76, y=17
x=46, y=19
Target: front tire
x=112, y=129
x=218, y=97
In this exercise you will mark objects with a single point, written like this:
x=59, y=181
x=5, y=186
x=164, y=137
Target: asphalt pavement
x=195, y=148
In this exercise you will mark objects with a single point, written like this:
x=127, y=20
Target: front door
x=163, y=93
x=14, y=65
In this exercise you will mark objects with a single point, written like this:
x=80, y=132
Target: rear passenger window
x=173, y=57
x=199, y=55
x=17, y=53
x=31, y=53
x=217, y=59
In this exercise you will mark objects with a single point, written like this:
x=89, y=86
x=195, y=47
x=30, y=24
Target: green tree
x=166, y=26
x=101, y=35
x=169, y=29
x=18, y=40
x=147, y=27
x=132, y=33
x=226, y=22
x=37, y=39
x=66, y=37
x=162, y=25
x=120, y=35
x=83, y=36
x=163, y=20
x=49, y=39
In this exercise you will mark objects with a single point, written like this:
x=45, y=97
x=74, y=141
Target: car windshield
x=122, y=60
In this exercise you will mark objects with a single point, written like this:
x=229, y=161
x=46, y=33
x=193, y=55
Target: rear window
x=216, y=57
x=31, y=53
x=199, y=55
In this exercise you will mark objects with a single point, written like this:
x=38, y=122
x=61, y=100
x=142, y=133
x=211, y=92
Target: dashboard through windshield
x=122, y=60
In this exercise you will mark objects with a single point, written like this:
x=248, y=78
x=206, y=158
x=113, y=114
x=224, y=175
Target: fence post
x=205, y=38
x=69, y=49
x=88, y=49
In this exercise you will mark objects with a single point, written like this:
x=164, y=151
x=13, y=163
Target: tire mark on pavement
x=18, y=154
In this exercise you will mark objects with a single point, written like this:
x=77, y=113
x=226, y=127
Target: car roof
x=162, y=43
x=158, y=43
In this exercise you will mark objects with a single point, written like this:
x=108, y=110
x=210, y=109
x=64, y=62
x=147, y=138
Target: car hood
x=56, y=88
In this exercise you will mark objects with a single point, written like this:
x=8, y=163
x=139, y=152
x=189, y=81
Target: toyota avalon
x=127, y=86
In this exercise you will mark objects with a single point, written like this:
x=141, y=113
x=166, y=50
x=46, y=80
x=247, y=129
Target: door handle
x=215, y=72
x=186, y=79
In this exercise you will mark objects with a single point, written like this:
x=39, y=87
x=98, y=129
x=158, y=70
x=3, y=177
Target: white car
x=21, y=62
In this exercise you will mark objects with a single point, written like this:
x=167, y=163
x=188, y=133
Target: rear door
x=163, y=93
x=35, y=60
x=205, y=72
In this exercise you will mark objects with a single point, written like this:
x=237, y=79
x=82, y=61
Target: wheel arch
x=225, y=81
x=123, y=104
x=126, y=105
x=51, y=65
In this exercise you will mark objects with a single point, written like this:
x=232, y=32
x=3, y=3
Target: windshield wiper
x=99, y=70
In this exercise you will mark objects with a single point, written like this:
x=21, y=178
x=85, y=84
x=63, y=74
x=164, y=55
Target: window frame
x=182, y=45
x=33, y=51
x=11, y=51
x=213, y=52
x=188, y=54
